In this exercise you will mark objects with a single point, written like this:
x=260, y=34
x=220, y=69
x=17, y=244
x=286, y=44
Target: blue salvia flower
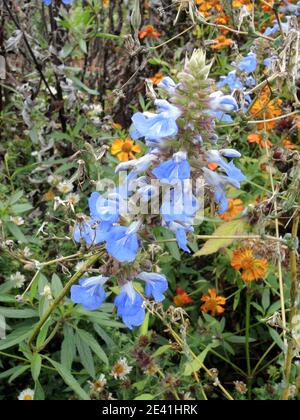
x=231, y=80
x=122, y=242
x=276, y=28
x=138, y=166
x=249, y=63
x=173, y=170
x=220, y=102
x=219, y=182
x=155, y=127
x=130, y=306
x=178, y=212
x=89, y=293
x=105, y=209
x=234, y=173
x=91, y=231
x=220, y=115
x=181, y=231
x=168, y=85
x=156, y=285
x=48, y=2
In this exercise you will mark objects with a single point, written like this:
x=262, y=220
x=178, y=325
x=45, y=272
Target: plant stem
x=293, y=313
x=247, y=343
x=61, y=296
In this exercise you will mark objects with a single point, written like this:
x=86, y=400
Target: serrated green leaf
x=93, y=344
x=69, y=379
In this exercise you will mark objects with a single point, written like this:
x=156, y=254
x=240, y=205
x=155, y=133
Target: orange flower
x=265, y=108
x=181, y=298
x=149, y=32
x=241, y=3
x=212, y=166
x=157, y=78
x=235, y=207
x=221, y=42
x=258, y=138
x=251, y=268
x=116, y=126
x=222, y=20
x=105, y=3
x=265, y=7
x=288, y=144
x=207, y=7
x=213, y=303
x=125, y=149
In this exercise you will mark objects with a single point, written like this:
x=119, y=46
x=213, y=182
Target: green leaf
x=16, y=232
x=266, y=299
x=68, y=348
x=145, y=325
x=82, y=45
x=17, y=370
x=16, y=337
x=39, y=394
x=105, y=337
x=93, y=344
x=108, y=36
x=233, y=228
x=69, y=379
x=239, y=340
x=276, y=338
x=18, y=313
x=196, y=364
x=81, y=86
x=85, y=354
x=36, y=364
x=15, y=197
x=21, y=208
x=144, y=397
x=161, y=350
x=165, y=234
x=43, y=333
x=56, y=285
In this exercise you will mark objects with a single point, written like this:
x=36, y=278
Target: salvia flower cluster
x=181, y=141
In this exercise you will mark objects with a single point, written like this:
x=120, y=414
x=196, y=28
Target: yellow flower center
x=28, y=398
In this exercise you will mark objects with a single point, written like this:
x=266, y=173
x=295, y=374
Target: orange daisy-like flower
x=207, y=7
x=213, y=303
x=235, y=207
x=288, y=144
x=221, y=42
x=149, y=32
x=241, y=3
x=265, y=108
x=125, y=149
x=157, y=78
x=251, y=268
x=181, y=298
x=259, y=139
